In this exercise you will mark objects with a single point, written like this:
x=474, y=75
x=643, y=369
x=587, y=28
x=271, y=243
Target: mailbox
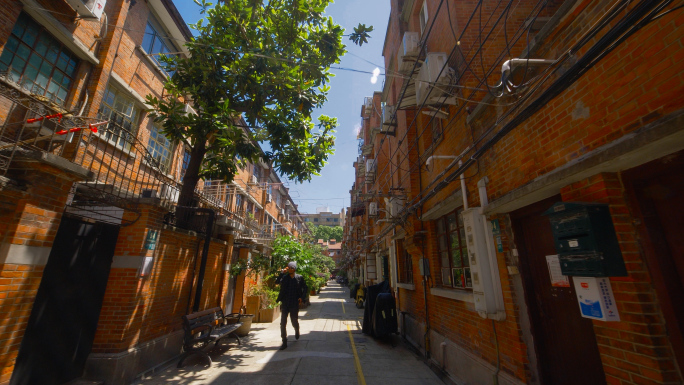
x=585, y=240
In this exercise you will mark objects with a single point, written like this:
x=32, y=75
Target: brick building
x=93, y=268
x=325, y=218
x=469, y=134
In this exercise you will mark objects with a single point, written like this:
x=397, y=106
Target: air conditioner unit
x=387, y=113
x=88, y=8
x=253, y=180
x=282, y=212
x=368, y=106
x=269, y=198
x=373, y=209
x=409, y=51
x=187, y=109
x=434, y=72
x=394, y=205
x=484, y=268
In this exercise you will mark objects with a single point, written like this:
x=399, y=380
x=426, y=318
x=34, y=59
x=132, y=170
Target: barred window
x=38, y=62
x=160, y=148
x=122, y=114
x=452, y=251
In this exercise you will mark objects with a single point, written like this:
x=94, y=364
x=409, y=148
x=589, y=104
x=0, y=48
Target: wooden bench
x=204, y=327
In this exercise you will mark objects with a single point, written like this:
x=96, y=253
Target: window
x=423, y=18
x=39, y=62
x=238, y=202
x=186, y=162
x=436, y=129
x=315, y=219
x=337, y=220
x=156, y=41
x=121, y=112
x=160, y=149
x=452, y=251
x=406, y=263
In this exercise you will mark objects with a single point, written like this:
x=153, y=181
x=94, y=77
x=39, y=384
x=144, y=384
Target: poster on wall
x=555, y=273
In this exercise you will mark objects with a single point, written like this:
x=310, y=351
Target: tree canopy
x=327, y=233
x=267, y=61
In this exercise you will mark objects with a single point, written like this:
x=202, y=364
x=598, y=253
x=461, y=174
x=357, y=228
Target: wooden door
x=656, y=192
x=63, y=322
x=565, y=343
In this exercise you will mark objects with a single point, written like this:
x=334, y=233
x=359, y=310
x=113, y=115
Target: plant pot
x=253, y=304
x=246, y=320
x=269, y=315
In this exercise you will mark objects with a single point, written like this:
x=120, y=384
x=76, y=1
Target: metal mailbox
x=585, y=240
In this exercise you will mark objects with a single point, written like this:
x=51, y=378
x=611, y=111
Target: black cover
x=371, y=294
x=385, y=315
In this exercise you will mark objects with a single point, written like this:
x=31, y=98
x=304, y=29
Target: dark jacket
x=300, y=291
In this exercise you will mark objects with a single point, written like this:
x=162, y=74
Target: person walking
x=292, y=293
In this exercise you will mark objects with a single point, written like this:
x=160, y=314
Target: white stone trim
x=407, y=286
x=130, y=91
x=459, y=295
x=24, y=255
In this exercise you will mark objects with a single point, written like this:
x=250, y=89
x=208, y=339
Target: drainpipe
x=464, y=191
x=205, y=255
x=426, y=337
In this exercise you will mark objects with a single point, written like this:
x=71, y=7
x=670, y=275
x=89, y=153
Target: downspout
x=426, y=337
x=205, y=255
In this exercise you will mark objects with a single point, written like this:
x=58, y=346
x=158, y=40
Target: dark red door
x=565, y=343
x=657, y=192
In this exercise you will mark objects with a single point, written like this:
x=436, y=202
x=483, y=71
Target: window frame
x=133, y=117
x=159, y=33
x=164, y=166
x=445, y=251
x=38, y=61
x=423, y=17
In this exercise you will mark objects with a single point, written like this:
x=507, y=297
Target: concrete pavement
x=330, y=350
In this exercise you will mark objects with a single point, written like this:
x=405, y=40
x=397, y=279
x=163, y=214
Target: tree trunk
x=190, y=180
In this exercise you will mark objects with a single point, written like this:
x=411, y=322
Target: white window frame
x=423, y=17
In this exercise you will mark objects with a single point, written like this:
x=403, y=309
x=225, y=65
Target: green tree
x=327, y=233
x=266, y=61
x=312, y=264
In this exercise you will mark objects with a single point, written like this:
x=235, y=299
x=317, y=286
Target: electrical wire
x=607, y=43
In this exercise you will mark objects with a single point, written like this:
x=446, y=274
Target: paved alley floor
x=329, y=351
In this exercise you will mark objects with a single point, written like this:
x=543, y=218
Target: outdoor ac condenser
x=484, y=269
x=88, y=8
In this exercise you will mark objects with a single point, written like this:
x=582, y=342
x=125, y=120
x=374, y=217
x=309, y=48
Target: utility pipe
x=464, y=191
x=430, y=158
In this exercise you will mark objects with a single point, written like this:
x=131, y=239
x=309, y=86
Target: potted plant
x=270, y=307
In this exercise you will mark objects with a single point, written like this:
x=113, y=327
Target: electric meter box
x=585, y=240
x=595, y=298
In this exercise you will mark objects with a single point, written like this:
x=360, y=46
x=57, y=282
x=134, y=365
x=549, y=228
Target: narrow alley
x=324, y=354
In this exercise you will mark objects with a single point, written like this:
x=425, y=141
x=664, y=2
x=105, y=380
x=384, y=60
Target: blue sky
x=331, y=188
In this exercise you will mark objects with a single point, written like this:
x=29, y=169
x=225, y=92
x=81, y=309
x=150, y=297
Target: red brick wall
x=636, y=349
x=634, y=85
x=28, y=218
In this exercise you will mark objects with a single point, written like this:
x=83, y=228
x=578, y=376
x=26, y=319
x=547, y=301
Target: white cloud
x=357, y=129
x=376, y=73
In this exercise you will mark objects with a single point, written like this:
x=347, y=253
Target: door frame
x=654, y=248
x=528, y=283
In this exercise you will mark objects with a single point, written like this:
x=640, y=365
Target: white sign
x=555, y=273
x=595, y=298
